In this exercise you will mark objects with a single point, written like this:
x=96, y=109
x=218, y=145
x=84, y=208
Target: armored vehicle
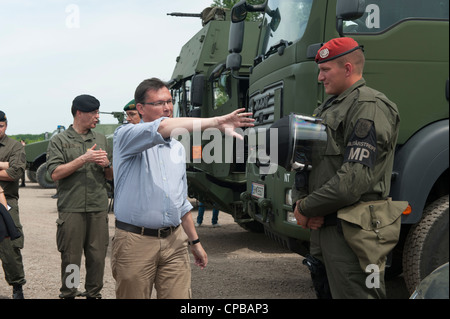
x=202, y=88
x=407, y=50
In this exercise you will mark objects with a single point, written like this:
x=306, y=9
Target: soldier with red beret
x=362, y=127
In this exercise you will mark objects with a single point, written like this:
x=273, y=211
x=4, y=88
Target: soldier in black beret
x=81, y=171
x=3, y=117
x=85, y=103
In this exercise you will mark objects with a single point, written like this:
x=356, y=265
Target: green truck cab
x=201, y=87
x=406, y=45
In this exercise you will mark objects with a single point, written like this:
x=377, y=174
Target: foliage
x=228, y=4
x=28, y=138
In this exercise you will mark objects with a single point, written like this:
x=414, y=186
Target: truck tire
x=427, y=243
x=31, y=176
x=43, y=178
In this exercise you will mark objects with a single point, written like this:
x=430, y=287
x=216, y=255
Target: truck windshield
x=284, y=22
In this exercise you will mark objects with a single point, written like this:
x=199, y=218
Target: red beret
x=336, y=48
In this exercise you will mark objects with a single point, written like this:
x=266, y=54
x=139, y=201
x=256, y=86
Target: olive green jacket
x=13, y=152
x=86, y=189
x=349, y=169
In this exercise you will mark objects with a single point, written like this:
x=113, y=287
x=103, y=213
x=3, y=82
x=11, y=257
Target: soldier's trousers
x=345, y=277
x=77, y=233
x=10, y=251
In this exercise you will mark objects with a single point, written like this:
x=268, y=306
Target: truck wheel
x=31, y=176
x=43, y=178
x=426, y=246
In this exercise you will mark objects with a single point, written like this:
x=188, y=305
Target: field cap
x=85, y=103
x=131, y=106
x=336, y=48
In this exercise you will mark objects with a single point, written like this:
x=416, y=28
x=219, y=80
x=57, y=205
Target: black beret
x=2, y=116
x=85, y=103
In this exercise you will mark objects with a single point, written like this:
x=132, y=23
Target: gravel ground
x=242, y=265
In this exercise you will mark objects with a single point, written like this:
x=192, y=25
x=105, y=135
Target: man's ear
x=349, y=68
x=140, y=109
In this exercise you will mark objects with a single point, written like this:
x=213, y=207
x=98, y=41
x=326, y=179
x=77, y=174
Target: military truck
x=202, y=88
x=406, y=45
x=36, y=152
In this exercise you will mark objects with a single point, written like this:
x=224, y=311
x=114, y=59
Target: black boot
x=17, y=292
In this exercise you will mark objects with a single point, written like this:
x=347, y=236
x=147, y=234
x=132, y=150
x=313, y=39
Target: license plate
x=257, y=190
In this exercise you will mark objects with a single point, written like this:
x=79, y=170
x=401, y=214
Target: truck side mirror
x=348, y=10
x=235, y=44
x=236, y=38
x=239, y=11
x=197, y=87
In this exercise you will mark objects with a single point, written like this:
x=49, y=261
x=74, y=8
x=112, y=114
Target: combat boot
x=17, y=292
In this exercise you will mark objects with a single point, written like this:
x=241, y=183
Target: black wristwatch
x=194, y=242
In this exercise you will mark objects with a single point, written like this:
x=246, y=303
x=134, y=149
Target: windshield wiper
x=279, y=47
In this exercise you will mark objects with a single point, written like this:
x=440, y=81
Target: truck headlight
x=290, y=218
x=288, y=197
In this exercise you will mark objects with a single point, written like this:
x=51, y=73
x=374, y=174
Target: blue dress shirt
x=150, y=187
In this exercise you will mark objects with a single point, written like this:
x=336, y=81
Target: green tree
x=228, y=4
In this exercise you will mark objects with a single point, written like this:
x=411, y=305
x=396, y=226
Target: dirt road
x=242, y=265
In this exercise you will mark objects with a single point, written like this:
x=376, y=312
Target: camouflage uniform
x=362, y=129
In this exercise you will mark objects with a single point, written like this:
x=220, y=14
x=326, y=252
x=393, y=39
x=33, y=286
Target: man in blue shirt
x=151, y=202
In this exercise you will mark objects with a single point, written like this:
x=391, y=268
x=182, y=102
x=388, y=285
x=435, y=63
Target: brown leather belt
x=160, y=233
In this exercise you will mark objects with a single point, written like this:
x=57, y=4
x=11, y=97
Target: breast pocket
x=335, y=142
x=72, y=151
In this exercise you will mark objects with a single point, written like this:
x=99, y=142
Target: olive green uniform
x=82, y=222
x=13, y=152
x=356, y=165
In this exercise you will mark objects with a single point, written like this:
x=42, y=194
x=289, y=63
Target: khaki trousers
x=138, y=262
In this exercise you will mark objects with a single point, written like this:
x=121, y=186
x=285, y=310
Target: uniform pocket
x=59, y=234
x=334, y=137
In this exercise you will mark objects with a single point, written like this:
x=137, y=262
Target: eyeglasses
x=160, y=103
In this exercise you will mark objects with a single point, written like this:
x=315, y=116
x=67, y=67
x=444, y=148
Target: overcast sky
x=54, y=50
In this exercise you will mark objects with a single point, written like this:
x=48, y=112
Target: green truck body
x=202, y=88
x=406, y=45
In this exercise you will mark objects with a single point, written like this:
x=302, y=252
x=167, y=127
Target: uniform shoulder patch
x=362, y=128
x=362, y=145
